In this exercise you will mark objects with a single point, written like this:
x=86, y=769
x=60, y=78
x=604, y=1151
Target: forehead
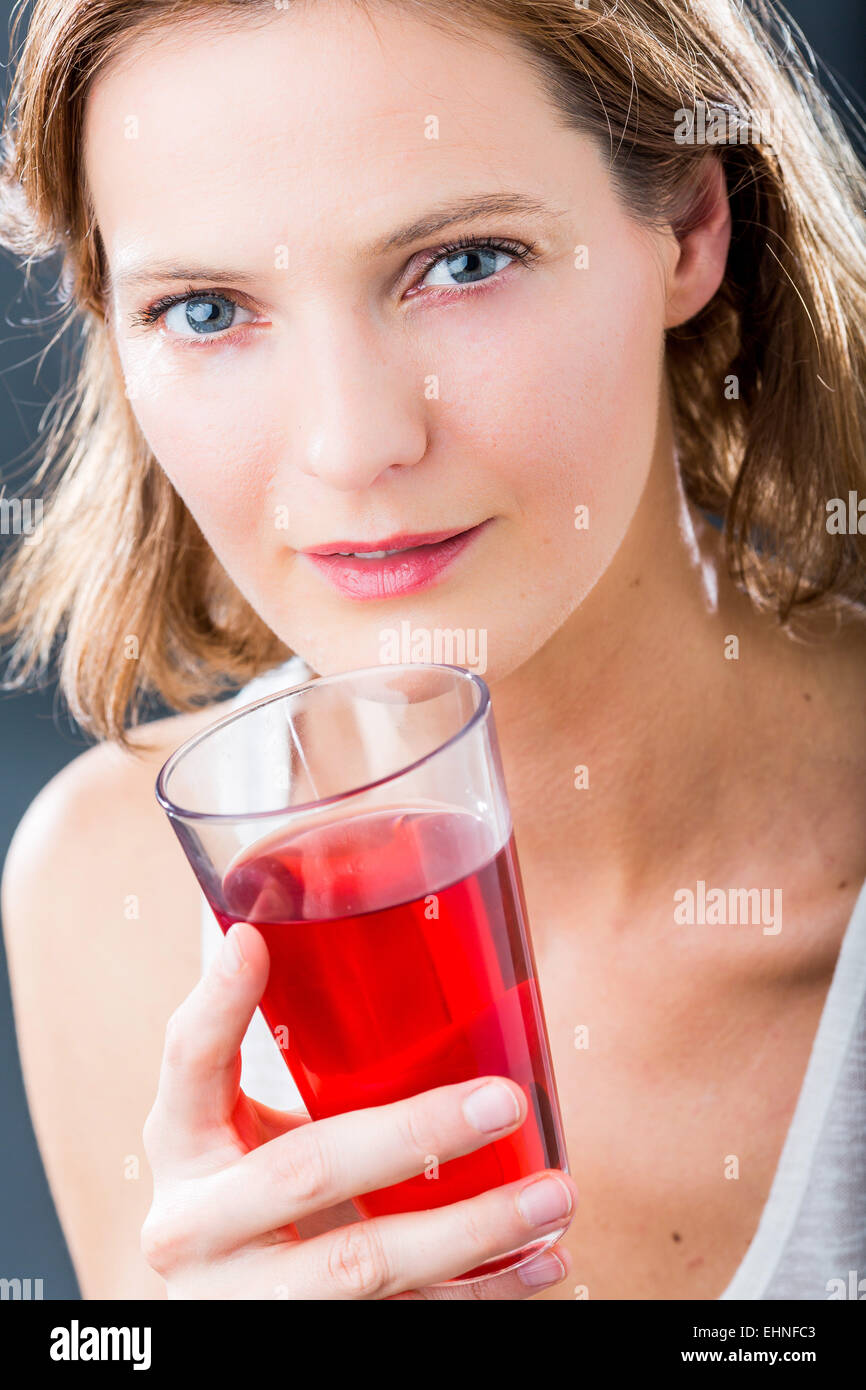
x=316, y=114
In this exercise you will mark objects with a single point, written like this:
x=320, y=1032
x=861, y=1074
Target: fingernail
x=547, y=1269
x=491, y=1107
x=544, y=1200
x=232, y=956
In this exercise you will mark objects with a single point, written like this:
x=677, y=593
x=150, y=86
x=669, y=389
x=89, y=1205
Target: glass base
x=503, y=1264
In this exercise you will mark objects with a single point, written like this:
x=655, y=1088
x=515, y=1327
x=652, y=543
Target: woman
x=355, y=278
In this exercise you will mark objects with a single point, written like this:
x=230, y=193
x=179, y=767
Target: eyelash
x=524, y=252
x=521, y=252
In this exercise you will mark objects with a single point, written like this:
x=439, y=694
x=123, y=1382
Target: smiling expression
x=349, y=302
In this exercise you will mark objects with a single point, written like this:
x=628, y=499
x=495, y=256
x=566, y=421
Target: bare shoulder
x=94, y=850
x=101, y=922
x=106, y=779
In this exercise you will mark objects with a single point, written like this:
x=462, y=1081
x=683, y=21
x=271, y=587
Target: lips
x=422, y=560
x=404, y=541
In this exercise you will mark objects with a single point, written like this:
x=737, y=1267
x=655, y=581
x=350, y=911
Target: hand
x=255, y=1203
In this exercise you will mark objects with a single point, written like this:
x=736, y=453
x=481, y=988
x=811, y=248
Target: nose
x=361, y=409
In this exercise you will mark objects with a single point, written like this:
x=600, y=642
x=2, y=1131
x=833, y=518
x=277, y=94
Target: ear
x=703, y=240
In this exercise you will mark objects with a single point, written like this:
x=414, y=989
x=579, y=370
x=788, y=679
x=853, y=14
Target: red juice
x=400, y=961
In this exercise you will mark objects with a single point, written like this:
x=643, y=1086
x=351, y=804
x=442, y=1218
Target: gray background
x=37, y=737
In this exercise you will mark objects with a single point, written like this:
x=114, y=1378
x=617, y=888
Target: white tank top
x=810, y=1242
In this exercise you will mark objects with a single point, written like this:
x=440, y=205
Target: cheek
x=211, y=436
x=558, y=394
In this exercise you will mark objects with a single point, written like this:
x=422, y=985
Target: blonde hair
x=122, y=556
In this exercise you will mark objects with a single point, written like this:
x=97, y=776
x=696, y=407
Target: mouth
x=389, y=568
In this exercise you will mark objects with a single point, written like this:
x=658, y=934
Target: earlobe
x=704, y=238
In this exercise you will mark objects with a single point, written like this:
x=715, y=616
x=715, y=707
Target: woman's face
x=337, y=380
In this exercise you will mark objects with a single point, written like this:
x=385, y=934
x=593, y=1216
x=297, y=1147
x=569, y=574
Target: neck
x=635, y=687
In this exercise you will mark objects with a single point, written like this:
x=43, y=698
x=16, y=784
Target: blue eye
x=204, y=315
x=469, y=264
x=198, y=314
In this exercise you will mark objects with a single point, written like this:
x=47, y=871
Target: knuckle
x=301, y=1163
x=417, y=1131
x=357, y=1263
x=478, y=1293
x=177, y=1043
x=150, y=1132
x=165, y=1241
x=478, y=1231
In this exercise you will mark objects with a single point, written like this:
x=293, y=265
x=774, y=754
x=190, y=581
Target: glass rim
x=233, y=817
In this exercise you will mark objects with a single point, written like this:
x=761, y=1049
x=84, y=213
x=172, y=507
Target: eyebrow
x=471, y=208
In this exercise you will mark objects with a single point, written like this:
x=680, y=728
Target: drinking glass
x=360, y=822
